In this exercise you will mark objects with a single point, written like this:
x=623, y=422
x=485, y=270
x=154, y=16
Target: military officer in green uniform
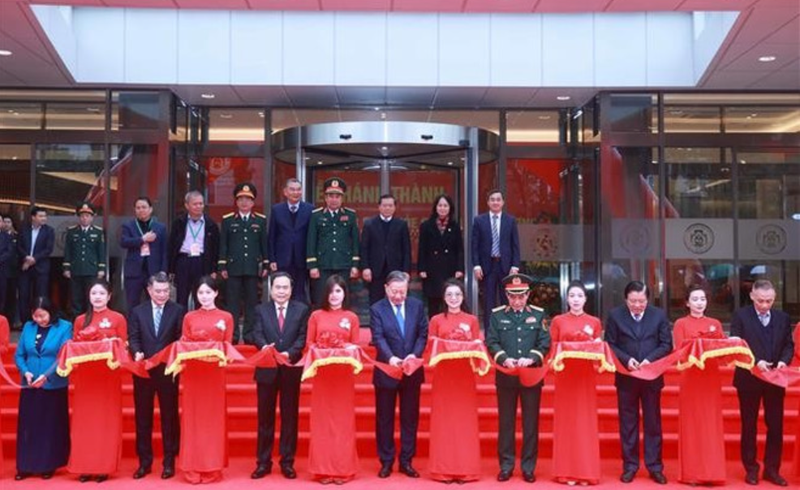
x=84, y=256
x=332, y=243
x=243, y=258
x=517, y=338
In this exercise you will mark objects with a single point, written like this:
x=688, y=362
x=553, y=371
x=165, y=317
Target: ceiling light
x=796, y=216
x=377, y=109
x=5, y=52
x=767, y=59
x=261, y=114
x=544, y=118
x=226, y=116
x=449, y=163
x=319, y=162
x=384, y=148
x=207, y=96
x=563, y=98
x=92, y=109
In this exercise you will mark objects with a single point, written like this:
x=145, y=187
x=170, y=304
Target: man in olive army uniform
x=84, y=256
x=332, y=244
x=517, y=338
x=243, y=258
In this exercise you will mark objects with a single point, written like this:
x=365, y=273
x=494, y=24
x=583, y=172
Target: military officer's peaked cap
x=517, y=283
x=85, y=207
x=335, y=185
x=245, y=189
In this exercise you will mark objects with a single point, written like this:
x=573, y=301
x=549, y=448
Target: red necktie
x=281, y=318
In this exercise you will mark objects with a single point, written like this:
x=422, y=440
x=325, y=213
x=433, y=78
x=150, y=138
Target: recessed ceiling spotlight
x=319, y=162
x=5, y=52
x=261, y=114
x=92, y=109
x=449, y=163
x=377, y=109
x=384, y=148
x=767, y=59
x=563, y=97
x=226, y=116
x=207, y=96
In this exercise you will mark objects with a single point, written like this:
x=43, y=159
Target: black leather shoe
x=47, y=475
x=504, y=475
x=409, y=470
x=775, y=478
x=627, y=476
x=101, y=478
x=751, y=478
x=84, y=478
x=288, y=472
x=385, y=471
x=141, y=472
x=20, y=476
x=168, y=472
x=528, y=477
x=261, y=471
x=658, y=477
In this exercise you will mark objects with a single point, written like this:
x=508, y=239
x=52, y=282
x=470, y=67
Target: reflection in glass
x=692, y=119
x=15, y=185
x=534, y=127
x=289, y=118
x=769, y=183
x=762, y=120
x=698, y=185
x=67, y=175
x=135, y=110
x=716, y=277
x=236, y=124
x=633, y=113
x=20, y=115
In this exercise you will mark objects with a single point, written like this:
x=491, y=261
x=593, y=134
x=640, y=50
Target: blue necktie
x=157, y=318
x=400, y=320
x=495, y=235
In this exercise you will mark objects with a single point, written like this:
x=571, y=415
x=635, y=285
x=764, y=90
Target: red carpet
x=242, y=435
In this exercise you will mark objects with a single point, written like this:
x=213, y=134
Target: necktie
x=764, y=317
x=281, y=318
x=293, y=209
x=400, y=320
x=637, y=317
x=157, y=318
x=495, y=235
x=293, y=214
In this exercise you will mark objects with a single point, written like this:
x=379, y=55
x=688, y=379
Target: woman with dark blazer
x=43, y=422
x=441, y=251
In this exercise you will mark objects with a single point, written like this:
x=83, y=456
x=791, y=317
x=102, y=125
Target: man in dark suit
x=145, y=239
x=193, y=248
x=768, y=332
x=385, y=247
x=152, y=326
x=399, y=331
x=495, y=251
x=288, y=232
x=7, y=254
x=639, y=334
x=283, y=323
x=35, y=246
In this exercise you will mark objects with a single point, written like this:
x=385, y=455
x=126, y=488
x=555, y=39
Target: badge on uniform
x=505, y=321
x=344, y=218
x=345, y=324
x=530, y=319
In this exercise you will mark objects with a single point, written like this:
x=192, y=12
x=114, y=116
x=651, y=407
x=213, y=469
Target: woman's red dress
x=576, y=446
x=332, y=450
x=796, y=363
x=96, y=427
x=701, y=444
x=204, y=446
x=455, y=452
x=4, y=340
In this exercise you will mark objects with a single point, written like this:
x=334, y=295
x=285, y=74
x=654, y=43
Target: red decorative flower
x=577, y=336
x=712, y=334
x=198, y=336
x=88, y=334
x=329, y=340
x=458, y=334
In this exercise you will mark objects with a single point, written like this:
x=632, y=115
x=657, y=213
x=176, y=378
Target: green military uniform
x=84, y=258
x=514, y=335
x=332, y=243
x=243, y=255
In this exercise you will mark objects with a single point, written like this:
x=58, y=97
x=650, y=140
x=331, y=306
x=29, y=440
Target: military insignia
x=345, y=324
x=334, y=183
x=220, y=325
x=246, y=188
x=85, y=209
x=516, y=281
x=344, y=218
x=530, y=319
x=105, y=323
x=505, y=321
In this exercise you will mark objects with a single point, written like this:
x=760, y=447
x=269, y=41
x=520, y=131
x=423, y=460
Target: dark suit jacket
x=772, y=343
x=650, y=339
x=440, y=255
x=482, y=242
x=210, y=243
x=385, y=252
x=291, y=340
x=7, y=254
x=287, y=242
x=142, y=333
x=41, y=251
x=132, y=241
x=389, y=342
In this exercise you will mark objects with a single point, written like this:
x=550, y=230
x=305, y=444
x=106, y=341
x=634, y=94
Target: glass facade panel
x=236, y=125
x=762, y=119
x=633, y=113
x=75, y=116
x=699, y=183
x=20, y=115
x=135, y=110
x=535, y=127
x=692, y=119
x=67, y=175
x=15, y=186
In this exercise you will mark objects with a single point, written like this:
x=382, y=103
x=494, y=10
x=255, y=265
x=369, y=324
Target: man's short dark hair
x=636, y=287
x=279, y=274
x=496, y=191
x=397, y=276
x=157, y=277
x=37, y=209
x=387, y=196
x=763, y=285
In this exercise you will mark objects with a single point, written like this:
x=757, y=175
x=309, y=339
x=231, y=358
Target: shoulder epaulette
x=260, y=215
x=537, y=308
x=317, y=210
x=72, y=227
x=351, y=210
x=499, y=308
x=100, y=228
x=227, y=215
